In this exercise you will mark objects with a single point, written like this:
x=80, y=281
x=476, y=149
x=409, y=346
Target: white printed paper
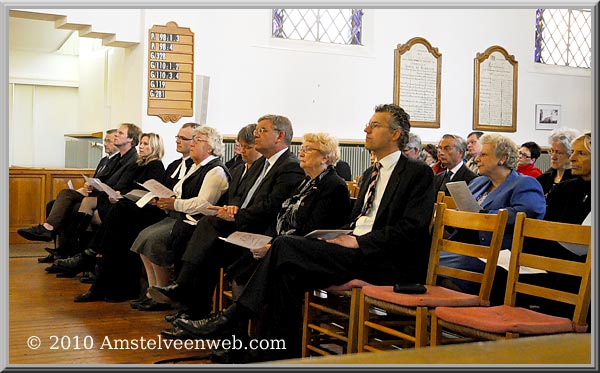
x=462, y=196
x=247, y=240
x=504, y=262
x=70, y=184
x=100, y=186
x=327, y=234
x=158, y=189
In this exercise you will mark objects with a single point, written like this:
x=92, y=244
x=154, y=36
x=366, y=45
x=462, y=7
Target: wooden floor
x=41, y=305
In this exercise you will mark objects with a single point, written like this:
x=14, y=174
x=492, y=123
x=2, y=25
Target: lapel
x=273, y=169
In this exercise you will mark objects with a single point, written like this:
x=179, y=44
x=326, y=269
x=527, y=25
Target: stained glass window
x=564, y=37
x=338, y=26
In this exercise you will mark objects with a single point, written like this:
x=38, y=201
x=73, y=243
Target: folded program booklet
x=247, y=240
x=327, y=234
x=462, y=196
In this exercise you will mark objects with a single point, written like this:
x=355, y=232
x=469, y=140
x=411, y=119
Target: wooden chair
x=352, y=188
x=448, y=200
x=507, y=321
x=416, y=308
x=329, y=321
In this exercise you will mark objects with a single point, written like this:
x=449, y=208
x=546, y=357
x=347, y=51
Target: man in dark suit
x=278, y=174
x=59, y=208
x=451, y=152
x=389, y=244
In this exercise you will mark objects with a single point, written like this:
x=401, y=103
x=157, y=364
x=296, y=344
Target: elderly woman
x=205, y=183
x=560, y=165
x=322, y=200
x=498, y=187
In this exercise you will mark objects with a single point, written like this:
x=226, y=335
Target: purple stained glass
x=278, y=23
x=356, y=26
x=539, y=28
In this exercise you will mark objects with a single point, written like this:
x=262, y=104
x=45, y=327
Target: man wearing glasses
x=277, y=174
x=389, y=244
x=451, y=152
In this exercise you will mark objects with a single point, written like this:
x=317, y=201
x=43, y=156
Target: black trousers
x=206, y=253
x=291, y=267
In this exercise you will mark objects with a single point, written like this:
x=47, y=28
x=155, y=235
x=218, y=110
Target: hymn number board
x=170, y=72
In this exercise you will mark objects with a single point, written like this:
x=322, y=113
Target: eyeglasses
x=557, y=152
x=524, y=155
x=306, y=149
x=447, y=148
x=197, y=140
x=260, y=131
x=374, y=125
x=182, y=138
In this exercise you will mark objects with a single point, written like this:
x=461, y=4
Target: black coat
x=463, y=173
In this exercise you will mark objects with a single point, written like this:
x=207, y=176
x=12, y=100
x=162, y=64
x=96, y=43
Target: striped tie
x=371, y=191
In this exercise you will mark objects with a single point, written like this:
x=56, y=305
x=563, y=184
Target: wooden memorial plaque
x=170, y=72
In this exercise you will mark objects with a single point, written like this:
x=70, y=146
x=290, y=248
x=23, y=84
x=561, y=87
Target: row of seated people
x=285, y=198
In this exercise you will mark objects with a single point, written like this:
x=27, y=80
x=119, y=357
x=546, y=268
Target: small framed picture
x=547, y=116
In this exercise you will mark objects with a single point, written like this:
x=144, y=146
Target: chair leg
x=363, y=315
x=352, y=322
x=305, y=322
x=436, y=331
x=421, y=327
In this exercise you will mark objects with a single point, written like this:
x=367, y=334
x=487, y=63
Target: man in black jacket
x=277, y=174
x=451, y=152
x=389, y=244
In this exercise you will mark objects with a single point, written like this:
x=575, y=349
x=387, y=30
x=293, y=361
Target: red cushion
x=502, y=319
x=434, y=297
x=356, y=283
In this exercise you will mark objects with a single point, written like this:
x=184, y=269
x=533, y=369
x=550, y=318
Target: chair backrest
x=448, y=200
x=447, y=220
x=554, y=231
x=352, y=188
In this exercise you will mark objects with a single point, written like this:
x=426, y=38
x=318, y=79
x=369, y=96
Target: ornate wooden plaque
x=170, y=72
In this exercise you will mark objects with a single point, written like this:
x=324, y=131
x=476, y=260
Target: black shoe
x=176, y=333
x=53, y=269
x=66, y=274
x=154, y=306
x=36, y=233
x=78, y=263
x=220, y=323
x=137, y=302
x=88, y=278
x=52, y=251
x=47, y=259
x=89, y=296
x=181, y=314
x=168, y=294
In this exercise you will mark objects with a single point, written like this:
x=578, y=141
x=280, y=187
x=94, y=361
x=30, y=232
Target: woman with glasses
x=498, y=187
x=528, y=154
x=560, y=165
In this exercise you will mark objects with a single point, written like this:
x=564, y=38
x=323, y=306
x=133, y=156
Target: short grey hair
x=246, y=134
x=564, y=136
x=503, y=146
x=460, y=143
x=414, y=141
x=329, y=146
x=215, y=140
x=282, y=124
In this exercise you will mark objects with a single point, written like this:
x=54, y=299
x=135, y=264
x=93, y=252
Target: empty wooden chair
x=507, y=321
x=417, y=307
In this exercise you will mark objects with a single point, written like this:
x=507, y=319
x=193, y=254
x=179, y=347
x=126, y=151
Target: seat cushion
x=502, y=319
x=356, y=283
x=434, y=297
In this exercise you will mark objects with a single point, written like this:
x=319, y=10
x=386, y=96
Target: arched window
x=564, y=37
x=338, y=26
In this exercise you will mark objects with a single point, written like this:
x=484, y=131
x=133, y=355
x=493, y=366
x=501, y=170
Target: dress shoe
x=167, y=294
x=47, y=259
x=181, y=314
x=53, y=269
x=80, y=262
x=51, y=250
x=89, y=296
x=217, y=324
x=152, y=305
x=88, y=277
x=141, y=300
x=176, y=333
x=36, y=233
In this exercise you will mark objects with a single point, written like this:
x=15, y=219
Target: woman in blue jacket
x=498, y=187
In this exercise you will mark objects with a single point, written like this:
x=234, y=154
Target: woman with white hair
x=560, y=151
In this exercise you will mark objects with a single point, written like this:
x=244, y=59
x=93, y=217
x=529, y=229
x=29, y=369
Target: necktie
x=256, y=184
x=370, y=193
x=447, y=177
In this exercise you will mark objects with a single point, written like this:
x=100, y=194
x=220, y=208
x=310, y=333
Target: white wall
x=334, y=88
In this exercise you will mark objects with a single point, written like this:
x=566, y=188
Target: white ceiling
x=36, y=36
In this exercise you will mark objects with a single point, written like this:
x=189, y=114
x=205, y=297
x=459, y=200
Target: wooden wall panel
x=30, y=189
